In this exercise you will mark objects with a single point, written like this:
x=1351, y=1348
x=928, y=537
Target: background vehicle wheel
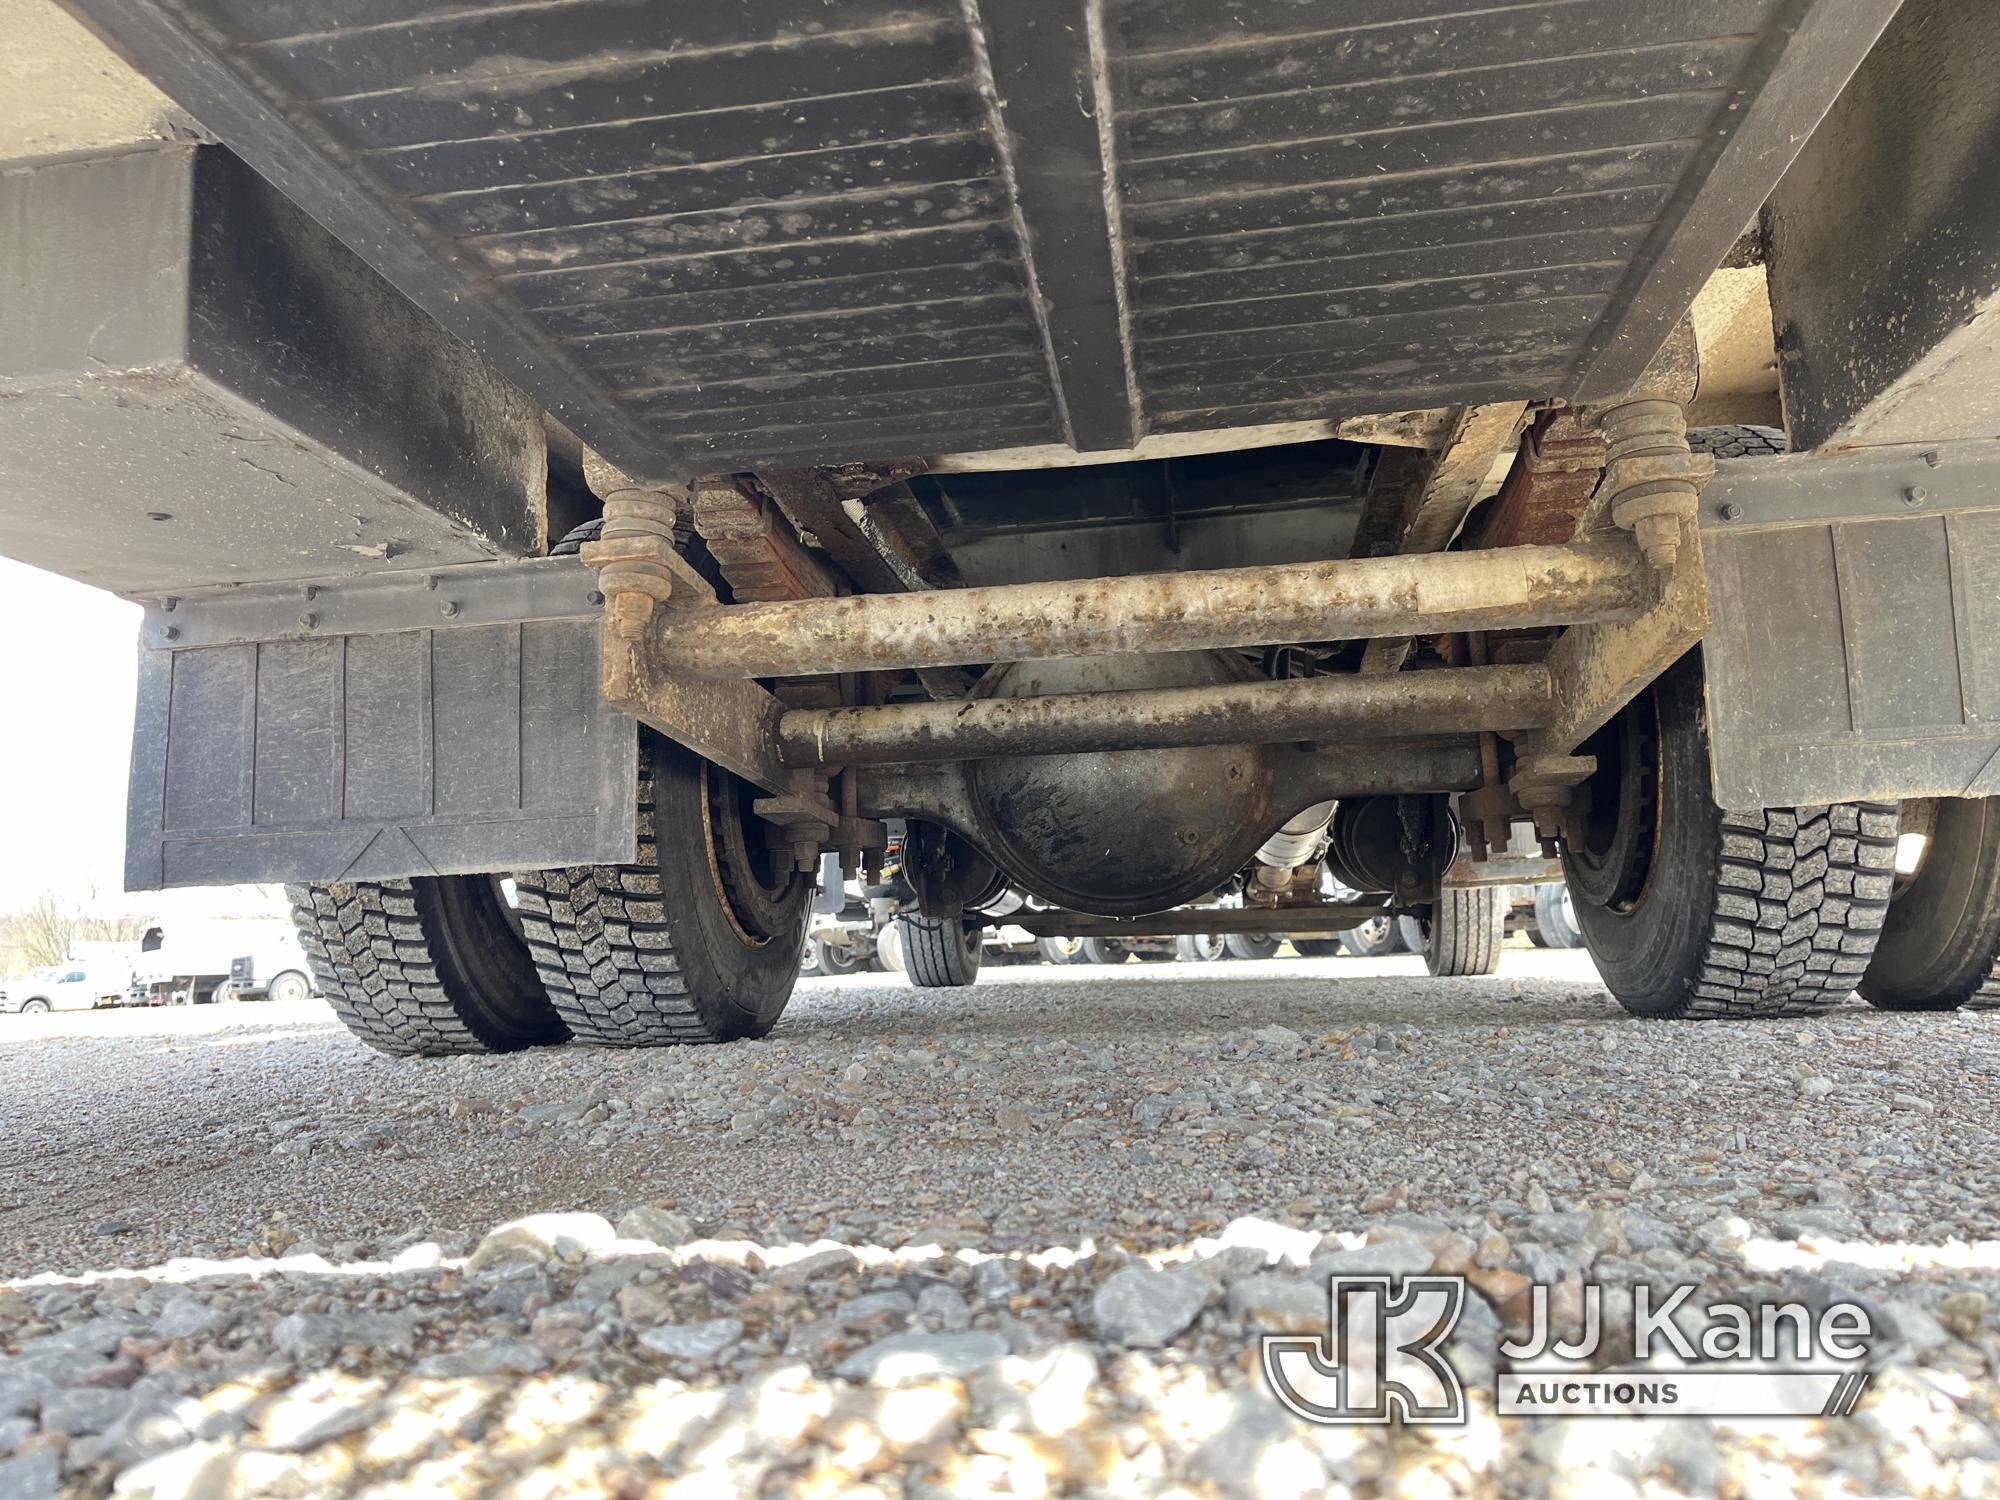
x=290, y=985
x=1061, y=950
x=698, y=941
x=1251, y=945
x=422, y=968
x=1940, y=944
x=1198, y=948
x=226, y=993
x=34, y=1007
x=939, y=954
x=1331, y=947
x=1465, y=931
x=1555, y=918
x=830, y=958
x=888, y=957
x=1104, y=951
x=1692, y=911
x=1373, y=939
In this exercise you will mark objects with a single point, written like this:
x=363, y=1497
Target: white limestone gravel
x=1016, y=1240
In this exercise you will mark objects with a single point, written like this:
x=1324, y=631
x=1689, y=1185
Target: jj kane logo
x=1383, y=1357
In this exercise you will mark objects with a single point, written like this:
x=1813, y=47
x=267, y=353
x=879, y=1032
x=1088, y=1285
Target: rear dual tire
x=697, y=941
x=1693, y=911
x=425, y=968
x=1940, y=945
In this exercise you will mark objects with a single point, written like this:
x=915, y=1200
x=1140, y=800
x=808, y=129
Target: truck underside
x=586, y=460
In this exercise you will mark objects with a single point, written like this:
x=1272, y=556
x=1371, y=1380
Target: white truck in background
x=199, y=962
x=75, y=984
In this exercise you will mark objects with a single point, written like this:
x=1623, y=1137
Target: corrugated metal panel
x=1420, y=201
x=782, y=231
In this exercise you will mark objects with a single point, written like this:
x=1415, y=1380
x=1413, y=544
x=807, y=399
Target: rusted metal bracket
x=1434, y=514
x=755, y=546
x=734, y=724
x=1543, y=499
x=1596, y=670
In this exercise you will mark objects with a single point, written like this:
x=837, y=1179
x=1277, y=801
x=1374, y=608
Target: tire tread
x=1799, y=898
x=365, y=944
x=936, y=953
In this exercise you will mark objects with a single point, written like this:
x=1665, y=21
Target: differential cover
x=1127, y=832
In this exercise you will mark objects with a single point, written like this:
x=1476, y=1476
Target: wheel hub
x=759, y=896
x=1611, y=828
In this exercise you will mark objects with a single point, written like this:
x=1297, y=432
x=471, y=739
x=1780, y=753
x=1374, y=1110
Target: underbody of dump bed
x=798, y=232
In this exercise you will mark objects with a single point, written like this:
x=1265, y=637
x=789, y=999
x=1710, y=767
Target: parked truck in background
x=1160, y=451
x=200, y=962
x=75, y=984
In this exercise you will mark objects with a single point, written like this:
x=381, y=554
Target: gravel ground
x=1015, y=1240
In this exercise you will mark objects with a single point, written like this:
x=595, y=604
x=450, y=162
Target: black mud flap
x=402, y=724
x=1855, y=645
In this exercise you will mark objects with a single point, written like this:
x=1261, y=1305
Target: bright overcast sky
x=68, y=670
x=68, y=657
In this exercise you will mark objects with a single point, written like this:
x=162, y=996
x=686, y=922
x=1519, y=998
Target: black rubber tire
x=1155, y=955
x=571, y=542
x=1377, y=939
x=1940, y=944
x=1766, y=913
x=655, y=952
x=1555, y=920
x=1331, y=947
x=940, y=953
x=1251, y=945
x=1739, y=441
x=1061, y=950
x=35, y=1007
x=1466, y=931
x=829, y=959
x=424, y=968
x=1103, y=951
